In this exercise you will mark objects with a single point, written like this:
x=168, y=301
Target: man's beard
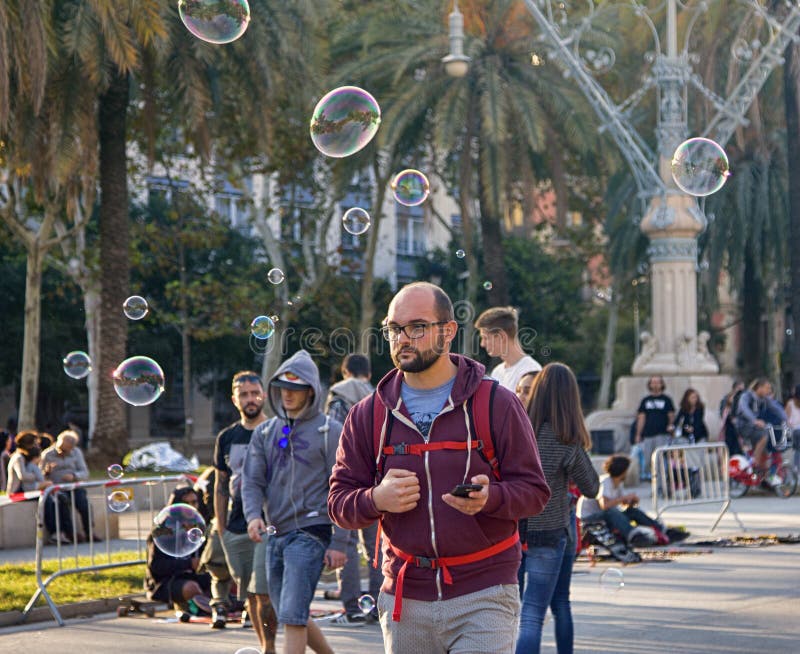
x=252, y=410
x=422, y=360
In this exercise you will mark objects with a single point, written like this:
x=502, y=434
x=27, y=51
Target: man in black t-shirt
x=246, y=559
x=654, y=420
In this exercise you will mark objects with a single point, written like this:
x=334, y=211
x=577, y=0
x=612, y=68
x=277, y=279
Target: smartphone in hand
x=463, y=490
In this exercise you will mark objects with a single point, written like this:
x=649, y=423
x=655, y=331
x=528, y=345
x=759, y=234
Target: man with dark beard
x=450, y=564
x=246, y=559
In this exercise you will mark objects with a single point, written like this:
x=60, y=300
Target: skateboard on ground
x=139, y=604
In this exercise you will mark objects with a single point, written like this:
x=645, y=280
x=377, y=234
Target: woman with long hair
x=690, y=421
x=554, y=408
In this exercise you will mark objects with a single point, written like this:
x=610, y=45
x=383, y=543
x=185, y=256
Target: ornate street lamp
x=456, y=64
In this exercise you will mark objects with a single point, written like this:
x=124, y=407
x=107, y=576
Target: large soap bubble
x=356, y=221
x=700, y=167
x=410, y=187
x=262, y=327
x=139, y=381
x=215, y=21
x=77, y=364
x=344, y=121
x=178, y=530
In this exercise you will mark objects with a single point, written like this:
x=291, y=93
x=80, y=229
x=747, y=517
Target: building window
x=410, y=231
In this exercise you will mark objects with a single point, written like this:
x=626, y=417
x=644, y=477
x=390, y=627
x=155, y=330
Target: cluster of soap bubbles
x=700, y=167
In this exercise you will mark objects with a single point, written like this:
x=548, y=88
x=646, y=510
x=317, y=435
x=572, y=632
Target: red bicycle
x=743, y=476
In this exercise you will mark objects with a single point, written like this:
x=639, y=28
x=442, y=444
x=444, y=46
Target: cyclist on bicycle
x=757, y=407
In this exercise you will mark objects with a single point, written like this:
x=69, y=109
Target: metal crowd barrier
x=143, y=504
x=685, y=475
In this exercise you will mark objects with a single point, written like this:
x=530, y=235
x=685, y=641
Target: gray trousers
x=349, y=576
x=213, y=561
x=649, y=445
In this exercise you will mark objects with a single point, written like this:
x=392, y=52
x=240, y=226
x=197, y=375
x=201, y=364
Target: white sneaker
x=344, y=620
x=774, y=480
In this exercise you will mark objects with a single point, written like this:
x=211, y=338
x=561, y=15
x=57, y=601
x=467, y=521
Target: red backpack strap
x=481, y=410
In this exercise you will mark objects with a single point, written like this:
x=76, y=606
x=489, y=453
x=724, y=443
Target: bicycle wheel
x=737, y=488
x=788, y=484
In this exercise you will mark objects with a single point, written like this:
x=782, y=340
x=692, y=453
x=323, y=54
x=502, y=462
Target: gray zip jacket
x=288, y=475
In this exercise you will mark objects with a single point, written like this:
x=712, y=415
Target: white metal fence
x=686, y=475
x=146, y=496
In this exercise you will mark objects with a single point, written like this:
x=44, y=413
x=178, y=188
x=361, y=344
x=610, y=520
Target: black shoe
x=373, y=616
x=219, y=617
x=677, y=535
x=183, y=616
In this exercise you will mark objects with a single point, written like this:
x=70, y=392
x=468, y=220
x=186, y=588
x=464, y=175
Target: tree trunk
x=465, y=183
x=492, y=241
x=751, y=319
x=91, y=305
x=559, y=180
x=791, y=94
x=110, y=438
x=608, y=352
x=29, y=381
x=366, y=326
x=188, y=407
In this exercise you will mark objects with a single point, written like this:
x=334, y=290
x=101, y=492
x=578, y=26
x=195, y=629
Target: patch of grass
x=19, y=581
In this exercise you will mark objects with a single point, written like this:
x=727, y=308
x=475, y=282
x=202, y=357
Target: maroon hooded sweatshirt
x=433, y=529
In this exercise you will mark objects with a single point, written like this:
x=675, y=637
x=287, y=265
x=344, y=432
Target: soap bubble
x=139, y=381
x=77, y=364
x=700, y=167
x=612, y=580
x=356, y=221
x=461, y=254
x=135, y=307
x=262, y=327
x=269, y=530
x=410, y=187
x=215, y=21
x=344, y=121
x=195, y=535
x=275, y=318
x=176, y=528
x=115, y=471
x=366, y=603
x=118, y=501
x=275, y=276
x=487, y=285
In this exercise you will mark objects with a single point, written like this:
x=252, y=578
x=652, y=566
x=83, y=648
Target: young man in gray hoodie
x=286, y=474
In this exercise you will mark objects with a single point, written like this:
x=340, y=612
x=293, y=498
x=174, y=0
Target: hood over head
x=298, y=372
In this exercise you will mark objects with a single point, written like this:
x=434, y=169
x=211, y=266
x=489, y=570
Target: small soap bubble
x=461, y=254
x=135, y=307
x=118, y=501
x=195, y=535
x=410, y=187
x=356, y=221
x=269, y=530
x=215, y=21
x=344, y=121
x=487, y=285
x=612, y=580
x=77, y=364
x=274, y=318
x=115, y=471
x=275, y=276
x=139, y=381
x=700, y=167
x=366, y=603
x=262, y=327
x=173, y=526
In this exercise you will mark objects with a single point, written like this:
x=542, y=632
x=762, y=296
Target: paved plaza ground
x=728, y=599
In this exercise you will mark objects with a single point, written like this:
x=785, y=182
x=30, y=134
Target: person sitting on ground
x=63, y=463
x=172, y=579
x=618, y=508
x=24, y=476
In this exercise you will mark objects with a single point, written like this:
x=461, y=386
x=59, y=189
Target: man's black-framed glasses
x=413, y=330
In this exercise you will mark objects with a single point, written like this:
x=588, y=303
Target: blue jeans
x=548, y=567
x=294, y=565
